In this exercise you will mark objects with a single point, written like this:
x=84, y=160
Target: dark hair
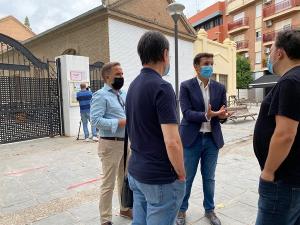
x=199, y=56
x=289, y=41
x=151, y=47
x=106, y=69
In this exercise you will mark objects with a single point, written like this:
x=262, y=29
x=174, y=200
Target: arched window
x=70, y=51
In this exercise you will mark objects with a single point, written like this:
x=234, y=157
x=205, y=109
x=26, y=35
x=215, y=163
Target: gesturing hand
x=221, y=112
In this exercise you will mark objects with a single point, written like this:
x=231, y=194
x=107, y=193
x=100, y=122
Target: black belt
x=113, y=138
x=206, y=133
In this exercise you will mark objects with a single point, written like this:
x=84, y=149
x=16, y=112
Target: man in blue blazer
x=203, y=105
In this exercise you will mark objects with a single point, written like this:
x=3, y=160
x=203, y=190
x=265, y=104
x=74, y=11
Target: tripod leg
x=79, y=130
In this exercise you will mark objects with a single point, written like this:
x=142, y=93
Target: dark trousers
x=278, y=204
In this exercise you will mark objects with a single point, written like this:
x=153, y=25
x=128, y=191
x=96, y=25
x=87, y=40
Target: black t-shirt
x=284, y=100
x=150, y=102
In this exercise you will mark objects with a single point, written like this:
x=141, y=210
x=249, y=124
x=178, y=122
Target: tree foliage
x=26, y=22
x=243, y=72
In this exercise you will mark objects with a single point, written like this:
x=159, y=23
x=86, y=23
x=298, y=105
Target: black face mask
x=118, y=83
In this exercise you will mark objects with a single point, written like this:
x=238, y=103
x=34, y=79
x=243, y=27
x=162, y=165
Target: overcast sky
x=45, y=14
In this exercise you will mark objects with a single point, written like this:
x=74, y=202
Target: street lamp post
x=175, y=10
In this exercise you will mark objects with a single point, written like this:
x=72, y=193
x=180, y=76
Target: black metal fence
x=96, y=81
x=30, y=92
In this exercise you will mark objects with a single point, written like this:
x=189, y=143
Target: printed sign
x=74, y=87
x=77, y=76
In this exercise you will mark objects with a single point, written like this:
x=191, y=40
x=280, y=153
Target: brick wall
x=88, y=39
x=11, y=27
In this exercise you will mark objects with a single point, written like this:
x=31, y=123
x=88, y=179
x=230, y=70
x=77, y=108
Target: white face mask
x=271, y=64
x=167, y=70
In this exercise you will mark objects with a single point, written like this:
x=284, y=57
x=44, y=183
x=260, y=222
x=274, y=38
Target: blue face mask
x=206, y=71
x=167, y=70
x=270, y=65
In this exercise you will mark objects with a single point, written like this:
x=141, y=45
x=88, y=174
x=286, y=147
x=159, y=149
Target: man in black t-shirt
x=156, y=167
x=277, y=137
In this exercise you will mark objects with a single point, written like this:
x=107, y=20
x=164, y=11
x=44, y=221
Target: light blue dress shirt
x=106, y=111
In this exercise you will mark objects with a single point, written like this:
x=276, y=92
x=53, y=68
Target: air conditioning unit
x=269, y=23
x=267, y=1
x=267, y=51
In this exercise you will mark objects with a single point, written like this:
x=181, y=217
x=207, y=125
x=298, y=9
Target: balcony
x=269, y=38
x=238, y=25
x=234, y=5
x=280, y=9
x=242, y=46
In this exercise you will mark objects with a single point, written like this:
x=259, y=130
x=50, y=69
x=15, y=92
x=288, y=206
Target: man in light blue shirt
x=108, y=115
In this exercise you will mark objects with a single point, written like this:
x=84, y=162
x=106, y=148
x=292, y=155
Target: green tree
x=26, y=22
x=243, y=72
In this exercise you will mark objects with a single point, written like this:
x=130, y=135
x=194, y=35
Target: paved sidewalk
x=55, y=181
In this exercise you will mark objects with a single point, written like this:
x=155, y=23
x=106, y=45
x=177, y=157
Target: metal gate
x=96, y=81
x=30, y=92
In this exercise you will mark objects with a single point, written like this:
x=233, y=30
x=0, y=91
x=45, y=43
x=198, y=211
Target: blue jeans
x=203, y=149
x=85, y=118
x=156, y=204
x=278, y=204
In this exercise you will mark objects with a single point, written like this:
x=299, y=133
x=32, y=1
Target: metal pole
x=59, y=87
x=176, y=67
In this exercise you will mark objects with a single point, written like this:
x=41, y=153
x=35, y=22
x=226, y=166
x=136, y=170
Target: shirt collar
x=149, y=70
x=202, y=84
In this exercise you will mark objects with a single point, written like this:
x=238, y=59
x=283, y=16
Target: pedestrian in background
x=84, y=97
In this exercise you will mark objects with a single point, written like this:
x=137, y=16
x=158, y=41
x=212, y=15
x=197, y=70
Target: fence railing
x=242, y=44
x=238, y=23
x=280, y=7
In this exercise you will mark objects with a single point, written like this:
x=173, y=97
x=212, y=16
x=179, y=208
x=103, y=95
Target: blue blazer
x=193, y=110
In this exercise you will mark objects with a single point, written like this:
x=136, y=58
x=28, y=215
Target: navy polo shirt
x=150, y=102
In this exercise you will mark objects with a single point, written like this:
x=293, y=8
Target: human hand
x=226, y=115
x=122, y=123
x=220, y=112
x=267, y=176
x=181, y=178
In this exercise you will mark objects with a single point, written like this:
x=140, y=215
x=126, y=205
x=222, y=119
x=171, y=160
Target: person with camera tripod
x=84, y=97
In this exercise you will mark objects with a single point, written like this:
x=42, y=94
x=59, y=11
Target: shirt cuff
x=208, y=120
x=114, y=125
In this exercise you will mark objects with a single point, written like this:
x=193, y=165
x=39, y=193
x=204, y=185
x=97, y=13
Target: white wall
x=72, y=111
x=123, y=41
x=259, y=92
x=243, y=93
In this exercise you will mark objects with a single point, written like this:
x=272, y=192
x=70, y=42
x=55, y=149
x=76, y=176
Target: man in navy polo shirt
x=156, y=167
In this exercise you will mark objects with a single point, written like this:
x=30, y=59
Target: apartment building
x=253, y=25
x=213, y=21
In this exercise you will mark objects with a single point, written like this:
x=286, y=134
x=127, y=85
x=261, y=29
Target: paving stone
x=240, y=212
x=69, y=162
x=59, y=219
x=86, y=212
